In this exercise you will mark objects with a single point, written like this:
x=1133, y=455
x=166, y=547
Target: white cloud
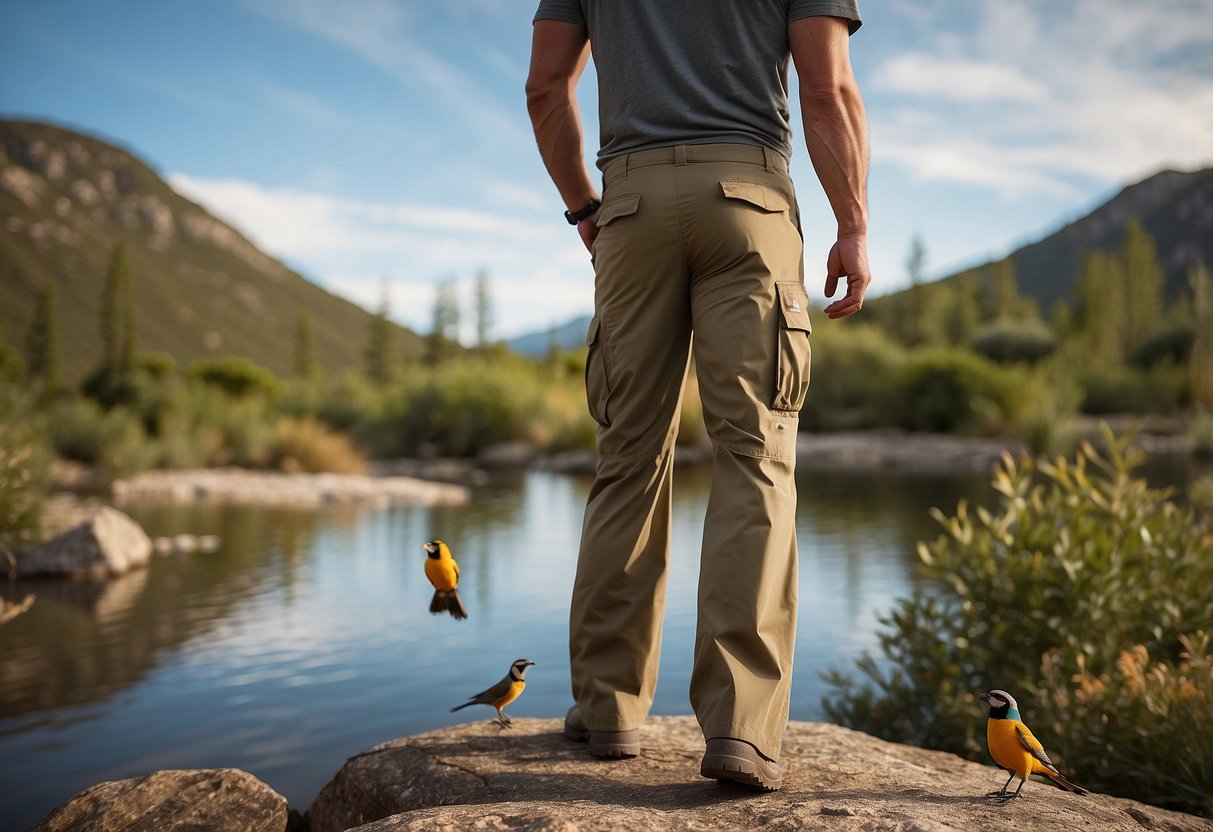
x=539, y=272
x=956, y=79
x=1047, y=98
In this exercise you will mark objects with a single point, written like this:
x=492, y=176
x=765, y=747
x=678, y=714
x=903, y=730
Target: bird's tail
x=1063, y=783
x=448, y=601
x=461, y=707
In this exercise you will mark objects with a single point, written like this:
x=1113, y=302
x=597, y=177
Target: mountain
x=200, y=288
x=1174, y=207
x=568, y=336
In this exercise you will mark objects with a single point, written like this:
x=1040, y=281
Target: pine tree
x=444, y=331
x=42, y=342
x=130, y=344
x=964, y=313
x=1004, y=291
x=1200, y=364
x=305, y=348
x=484, y=310
x=1100, y=291
x=1143, y=283
x=916, y=262
x=380, y=352
x=114, y=297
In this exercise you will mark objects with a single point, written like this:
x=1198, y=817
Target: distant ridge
x=200, y=287
x=1175, y=207
x=566, y=336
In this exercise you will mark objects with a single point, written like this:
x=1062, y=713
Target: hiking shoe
x=611, y=744
x=740, y=762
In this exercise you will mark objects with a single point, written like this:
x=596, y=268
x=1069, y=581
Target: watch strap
x=575, y=217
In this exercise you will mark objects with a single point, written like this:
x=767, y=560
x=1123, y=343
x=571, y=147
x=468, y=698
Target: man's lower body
x=702, y=239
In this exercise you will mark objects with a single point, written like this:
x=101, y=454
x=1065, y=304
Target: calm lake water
x=306, y=638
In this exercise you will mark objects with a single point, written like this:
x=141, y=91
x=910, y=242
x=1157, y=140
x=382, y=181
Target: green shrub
x=24, y=470
x=1014, y=342
x=235, y=376
x=113, y=441
x=1079, y=560
x=955, y=391
x=1168, y=346
x=855, y=373
x=1161, y=390
x=459, y=408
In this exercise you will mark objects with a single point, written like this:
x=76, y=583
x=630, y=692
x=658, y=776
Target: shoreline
x=446, y=481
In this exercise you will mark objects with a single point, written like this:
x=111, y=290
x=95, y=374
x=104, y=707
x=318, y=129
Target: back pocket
x=793, y=353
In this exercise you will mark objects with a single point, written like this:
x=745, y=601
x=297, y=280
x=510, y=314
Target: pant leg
x=639, y=343
x=750, y=318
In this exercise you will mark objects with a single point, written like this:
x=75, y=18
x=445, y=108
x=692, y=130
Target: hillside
x=1175, y=207
x=200, y=287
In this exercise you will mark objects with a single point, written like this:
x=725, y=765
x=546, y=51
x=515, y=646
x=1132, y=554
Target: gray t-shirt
x=691, y=71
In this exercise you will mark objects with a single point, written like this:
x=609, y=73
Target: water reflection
x=306, y=637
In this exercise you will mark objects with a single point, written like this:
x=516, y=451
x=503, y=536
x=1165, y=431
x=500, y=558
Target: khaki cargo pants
x=702, y=239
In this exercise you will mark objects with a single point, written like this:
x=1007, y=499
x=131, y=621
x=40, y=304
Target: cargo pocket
x=792, y=354
x=769, y=199
x=597, y=390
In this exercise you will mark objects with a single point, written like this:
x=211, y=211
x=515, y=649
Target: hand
x=848, y=259
x=588, y=229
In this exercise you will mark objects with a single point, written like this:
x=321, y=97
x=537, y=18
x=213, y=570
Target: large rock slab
x=476, y=777
x=202, y=800
x=271, y=488
x=108, y=545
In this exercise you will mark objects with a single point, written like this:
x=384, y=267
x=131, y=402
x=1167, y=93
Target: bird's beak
x=985, y=697
x=530, y=664
x=429, y=547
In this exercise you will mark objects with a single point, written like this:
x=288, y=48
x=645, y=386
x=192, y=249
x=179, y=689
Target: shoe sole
x=616, y=747
x=739, y=767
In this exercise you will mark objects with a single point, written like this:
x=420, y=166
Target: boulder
x=529, y=777
x=215, y=800
x=108, y=545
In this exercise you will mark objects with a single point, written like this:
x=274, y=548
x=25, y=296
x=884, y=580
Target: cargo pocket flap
x=591, y=334
x=794, y=305
x=761, y=196
x=617, y=207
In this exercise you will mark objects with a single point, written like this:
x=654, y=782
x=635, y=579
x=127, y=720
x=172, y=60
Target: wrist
x=577, y=215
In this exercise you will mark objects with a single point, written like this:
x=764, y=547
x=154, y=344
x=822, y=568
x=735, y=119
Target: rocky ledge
x=295, y=490
x=529, y=778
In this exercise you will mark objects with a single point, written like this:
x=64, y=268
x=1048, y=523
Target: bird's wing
x=1033, y=746
x=456, y=566
x=495, y=692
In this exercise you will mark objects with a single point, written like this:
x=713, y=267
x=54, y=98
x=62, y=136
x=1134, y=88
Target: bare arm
x=836, y=133
x=559, y=52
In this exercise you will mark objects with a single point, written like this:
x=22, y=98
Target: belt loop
x=680, y=154
x=626, y=163
x=767, y=159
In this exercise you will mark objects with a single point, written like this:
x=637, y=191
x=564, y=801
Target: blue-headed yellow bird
x=443, y=573
x=1015, y=749
x=502, y=693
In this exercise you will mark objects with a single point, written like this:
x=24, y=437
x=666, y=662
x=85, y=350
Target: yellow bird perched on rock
x=443, y=573
x=1015, y=749
x=502, y=693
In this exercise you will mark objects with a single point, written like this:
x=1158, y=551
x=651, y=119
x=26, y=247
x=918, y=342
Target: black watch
x=575, y=217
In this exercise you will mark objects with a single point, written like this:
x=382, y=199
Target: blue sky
x=373, y=143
